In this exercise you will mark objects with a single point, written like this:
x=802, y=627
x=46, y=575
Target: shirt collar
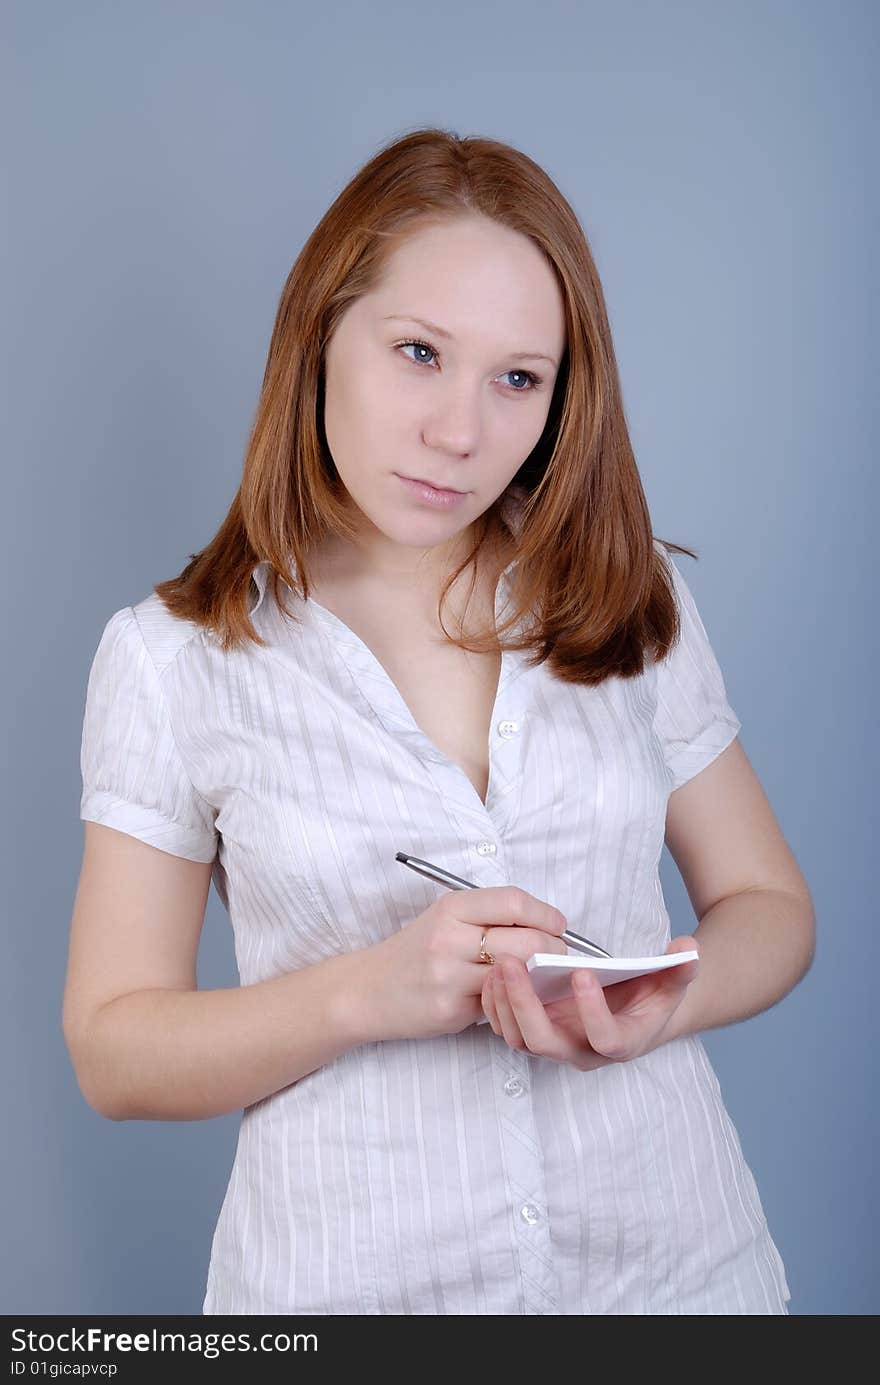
x=259, y=577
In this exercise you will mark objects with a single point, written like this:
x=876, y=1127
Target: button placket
x=484, y=823
x=524, y=1169
x=505, y=742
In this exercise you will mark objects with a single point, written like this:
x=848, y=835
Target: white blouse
x=451, y=1175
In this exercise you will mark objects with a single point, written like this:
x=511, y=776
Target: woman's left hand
x=593, y=1026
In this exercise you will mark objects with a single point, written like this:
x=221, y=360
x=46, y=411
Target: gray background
x=165, y=163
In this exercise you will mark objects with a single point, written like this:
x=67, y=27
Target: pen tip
x=401, y=856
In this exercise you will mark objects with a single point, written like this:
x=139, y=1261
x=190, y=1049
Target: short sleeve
x=133, y=778
x=694, y=720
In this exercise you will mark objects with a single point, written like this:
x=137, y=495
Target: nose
x=454, y=425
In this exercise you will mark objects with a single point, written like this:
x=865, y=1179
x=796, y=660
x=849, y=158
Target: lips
x=423, y=481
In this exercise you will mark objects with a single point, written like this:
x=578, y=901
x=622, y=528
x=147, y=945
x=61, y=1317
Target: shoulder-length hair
x=590, y=585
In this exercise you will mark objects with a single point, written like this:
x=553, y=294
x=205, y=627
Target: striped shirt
x=447, y=1175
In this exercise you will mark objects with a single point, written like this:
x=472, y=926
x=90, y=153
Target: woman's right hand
x=427, y=978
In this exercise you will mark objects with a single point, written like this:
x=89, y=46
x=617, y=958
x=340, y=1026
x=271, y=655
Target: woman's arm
x=754, y=947
x=189, y=1055
x=757, y=926
x=145, y=1042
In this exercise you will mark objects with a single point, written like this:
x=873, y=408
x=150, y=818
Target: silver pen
x=455, y=882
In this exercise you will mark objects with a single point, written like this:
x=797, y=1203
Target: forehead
x=471, y=276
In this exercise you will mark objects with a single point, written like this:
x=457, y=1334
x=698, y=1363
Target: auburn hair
x=595, y=590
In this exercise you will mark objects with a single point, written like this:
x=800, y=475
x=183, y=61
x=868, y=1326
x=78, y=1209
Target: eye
x=421, y=346
x=533, y=380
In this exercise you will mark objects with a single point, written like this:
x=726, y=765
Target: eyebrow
x=441, y=332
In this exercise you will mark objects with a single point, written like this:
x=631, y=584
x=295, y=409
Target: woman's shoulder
x=164, y=633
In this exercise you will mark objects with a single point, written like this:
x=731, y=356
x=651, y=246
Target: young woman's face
x=461, y=411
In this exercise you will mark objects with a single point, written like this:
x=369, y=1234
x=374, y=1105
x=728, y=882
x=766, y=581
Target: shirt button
x=514, y=1087
x=529, y=1213
x=508, y=728
x=486, y=848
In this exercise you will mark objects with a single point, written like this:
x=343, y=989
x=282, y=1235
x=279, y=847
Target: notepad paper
x=550, y=973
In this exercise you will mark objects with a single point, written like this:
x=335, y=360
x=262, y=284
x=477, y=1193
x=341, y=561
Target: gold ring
x=485, y=956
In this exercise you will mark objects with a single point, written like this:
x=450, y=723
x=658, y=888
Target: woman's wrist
x=355, y=1006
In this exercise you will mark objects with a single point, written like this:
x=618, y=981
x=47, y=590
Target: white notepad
x=550, y=972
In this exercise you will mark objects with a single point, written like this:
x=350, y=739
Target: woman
x=513, y=682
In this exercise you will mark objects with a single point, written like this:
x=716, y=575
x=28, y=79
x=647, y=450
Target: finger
x=523, y=943
x=532, y=1020
x=641, y=994
x=685, y=972
x=502, y=941
x=684, y=943
x=670, y=983
x=604, y=1032
x=510, y=1030
x=489, y=1009
x=504, y=904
